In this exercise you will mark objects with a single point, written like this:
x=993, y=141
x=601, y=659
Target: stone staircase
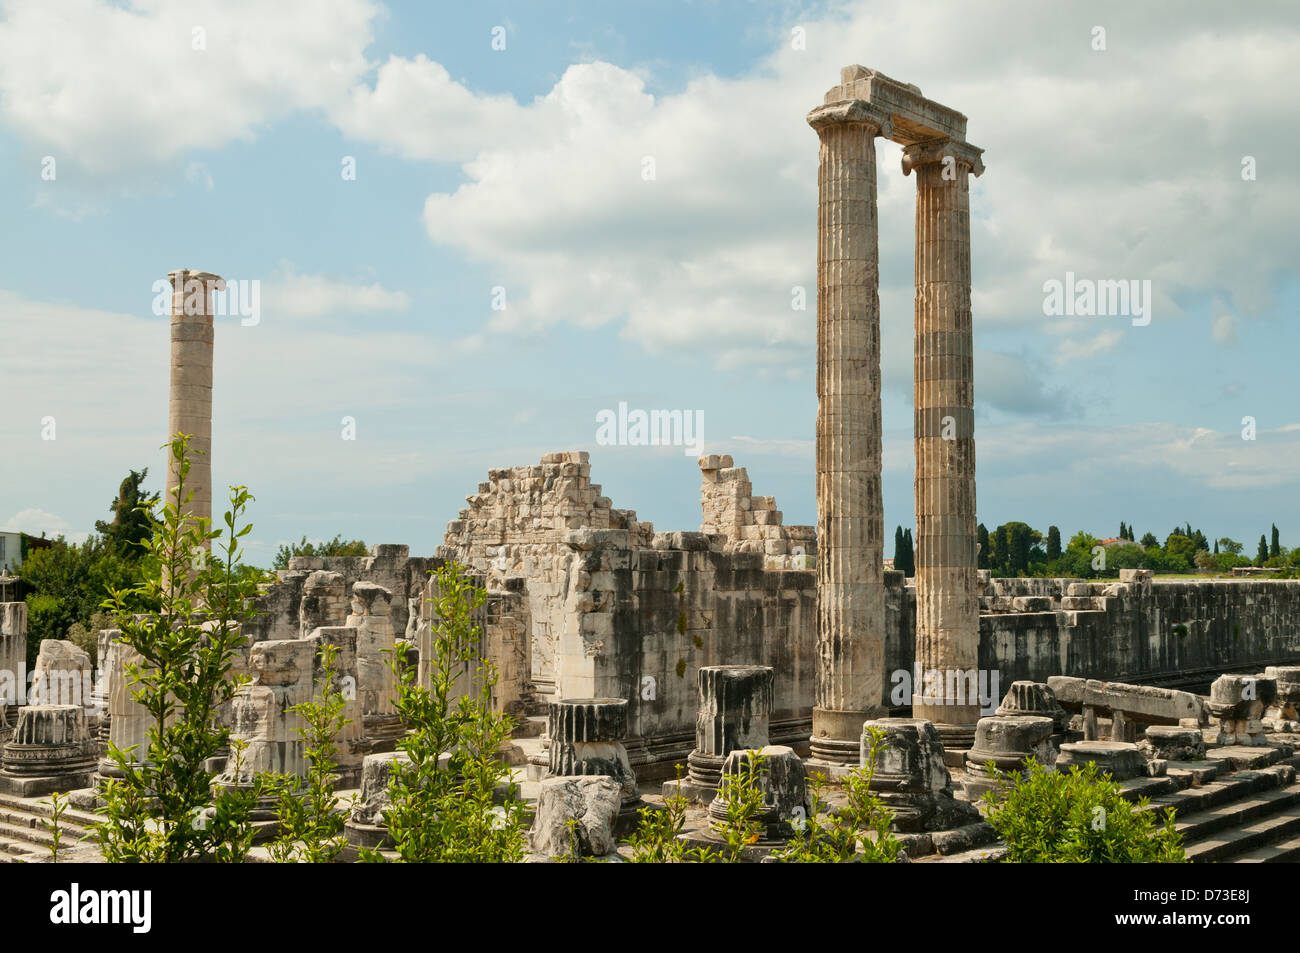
x=1239, y=805
x=25, y=836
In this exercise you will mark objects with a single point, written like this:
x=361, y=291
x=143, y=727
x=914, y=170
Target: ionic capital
x=941, y=150
x=855, y=111
x=182, y=278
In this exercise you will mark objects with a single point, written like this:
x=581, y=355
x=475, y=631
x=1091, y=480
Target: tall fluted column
x=947, y=599
x=850, y=516
x=190, y=404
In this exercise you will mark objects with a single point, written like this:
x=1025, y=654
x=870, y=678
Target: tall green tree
x=909, y=555
x=132, y=522
x=898, y=548
x=1275, y=547
x=1053, y=543
x=1261, y=556
x=982, y=537
x=1149, y=540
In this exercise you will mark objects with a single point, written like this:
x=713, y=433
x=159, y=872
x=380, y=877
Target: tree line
x=1017, y=549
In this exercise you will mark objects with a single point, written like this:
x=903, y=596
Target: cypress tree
x=1053, y=543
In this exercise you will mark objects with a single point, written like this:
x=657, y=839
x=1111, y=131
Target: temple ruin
x=626, y=652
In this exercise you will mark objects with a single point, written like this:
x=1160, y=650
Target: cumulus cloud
x=109, y=87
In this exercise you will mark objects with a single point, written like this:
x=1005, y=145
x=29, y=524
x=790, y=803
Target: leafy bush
x=1050, y=817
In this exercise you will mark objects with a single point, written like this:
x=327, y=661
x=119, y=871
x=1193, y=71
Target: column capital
x=183, y=276
x=856, y=111
x=937, y=150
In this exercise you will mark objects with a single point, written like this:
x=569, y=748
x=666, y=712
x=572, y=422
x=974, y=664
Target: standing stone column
x=947, y=596
x=850, y=515
x=190, y=404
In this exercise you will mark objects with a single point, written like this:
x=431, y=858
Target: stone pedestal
x=587, y=739
x=324, y=602
x=1283, y=713
x=850, y=514
x=1238, y=703
x=1165, y=742
x=912, y=778
x=50, y=751
x=735, y=706
x=785, y=792
x=1008, y=742
x=365, y=826
x=1121, y=760
x=371, y=614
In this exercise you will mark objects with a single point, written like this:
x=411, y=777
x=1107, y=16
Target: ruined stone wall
x=748, y=523
x=1179, y=633
x=515, y=526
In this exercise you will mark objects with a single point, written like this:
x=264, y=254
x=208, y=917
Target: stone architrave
x=735, y=707
x=376, y=683
x=850, y=513
x=190, y=397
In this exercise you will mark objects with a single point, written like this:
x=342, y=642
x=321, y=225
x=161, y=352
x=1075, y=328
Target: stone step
x=41, y=807
x=1231, y=788
x=27, y=834
x=1283, y=852
x=992, y=854
x=1200, y=825
x=1146, y=787
x=1227, y=845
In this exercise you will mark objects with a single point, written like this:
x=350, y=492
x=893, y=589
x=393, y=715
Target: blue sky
x=521, y=169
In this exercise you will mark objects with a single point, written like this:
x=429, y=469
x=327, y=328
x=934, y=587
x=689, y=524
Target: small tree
x=1261, y=556
x=157, y=811
x=449, y=812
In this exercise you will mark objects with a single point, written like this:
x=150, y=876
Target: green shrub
x=1078, y=817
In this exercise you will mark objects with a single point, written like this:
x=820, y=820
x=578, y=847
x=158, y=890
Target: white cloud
x=36, y=522
x=294, y=295
x=107, y=87
x=1224, y=329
